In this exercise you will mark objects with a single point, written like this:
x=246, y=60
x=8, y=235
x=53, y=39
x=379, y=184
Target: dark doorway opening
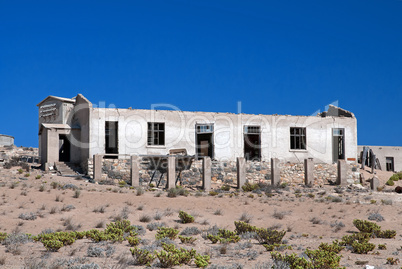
x=205, y=140
x=338, y=144
x=390, y=163
x=111, y=139
x=252, y=143
x=64, y=149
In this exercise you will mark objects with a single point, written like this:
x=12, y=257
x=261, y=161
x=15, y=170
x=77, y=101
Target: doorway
x=390, y=163
x=252, y=143
x=64, y=149
x=204, y=140
x=338, y=144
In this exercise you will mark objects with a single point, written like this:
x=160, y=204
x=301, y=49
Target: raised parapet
x=135, y=170
x=241, y=172
x=98, y=167
x=342, y=173
x=171, y=173
x=206, y=173
x=308, y=172
x=275, y=172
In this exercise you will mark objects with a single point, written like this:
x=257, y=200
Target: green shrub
x=348, y=240
x=187, y=239
x=399, y=175
x=38, y=177
x=382, y=246
x=362, y=248
x=269, y=236
x=323, y=259
x=386, y=234
x=185, y=217
x=20, y=171
x=292, y=260
x=142, y=256
x=52, y=245
x=171, y=256
x=213, y=193
x=3, y=236
x=133, y=241
x=167, y=232
x=247, y=187
x=201, y=261
x=334, y=247
x=244, y=227
x=214, y=238
x=366, y=226
x=390, y=182
x=392, y=261
x=394, y=177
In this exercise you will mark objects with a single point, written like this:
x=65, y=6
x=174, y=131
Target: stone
x=398, y=189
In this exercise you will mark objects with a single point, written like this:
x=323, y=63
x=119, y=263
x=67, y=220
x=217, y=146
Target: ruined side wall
x=6, y=140
x=382, y=152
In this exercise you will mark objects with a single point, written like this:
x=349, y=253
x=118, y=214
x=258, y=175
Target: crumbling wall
x=226, y=172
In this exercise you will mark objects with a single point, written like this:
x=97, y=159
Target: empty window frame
x=156, y=134
x=204, y=140
x=111, y=137
x=298, y=138
x=389, y=163
x=252, y=143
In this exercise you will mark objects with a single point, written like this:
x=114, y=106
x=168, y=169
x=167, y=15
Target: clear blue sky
x=276, y=57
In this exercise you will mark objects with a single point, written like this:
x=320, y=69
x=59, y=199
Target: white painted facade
x=86, y=129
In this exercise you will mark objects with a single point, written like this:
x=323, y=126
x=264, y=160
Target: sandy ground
x=308, y=216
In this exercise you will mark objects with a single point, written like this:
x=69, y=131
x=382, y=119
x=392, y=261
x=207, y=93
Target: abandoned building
x=6, y=140
x=73, y=130
x=387, y=158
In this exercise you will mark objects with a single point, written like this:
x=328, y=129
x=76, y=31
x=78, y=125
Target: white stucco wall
x=228, y=133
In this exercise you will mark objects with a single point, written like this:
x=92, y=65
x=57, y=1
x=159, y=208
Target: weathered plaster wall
x=228, y=133
x=382, y=152
x=6, y=140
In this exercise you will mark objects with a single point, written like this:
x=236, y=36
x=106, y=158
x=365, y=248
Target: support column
x=342, y=173
x=135, y=171
x=374, y=183
x=241, y=172
x=97, y=159
x=206, y=173
x=308, y=172
x=275, y=172
x=171, y=173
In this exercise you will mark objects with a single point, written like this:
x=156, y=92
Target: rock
x=398, y=189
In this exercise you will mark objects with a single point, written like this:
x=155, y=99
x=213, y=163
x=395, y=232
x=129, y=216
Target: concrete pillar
x=342, y=173
x=135, y=170
x=308, y=172
x=97, y=167
x=275, y=172
x=241, y=172
x=171, y=173
x=374, y=183
x=206, y=173
x=373, y=163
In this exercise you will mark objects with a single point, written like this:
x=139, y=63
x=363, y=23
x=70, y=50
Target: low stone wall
x=226, y=172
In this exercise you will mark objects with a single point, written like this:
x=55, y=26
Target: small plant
x=390, y=182
x=142, y=256
x=27, y=175
x=382, y=246
x=201, y=261
x=185, y=217
x=38, y=177
x=163, y=232
x=394, y=177
x=20, y=171
x=171, y=256
x=77, y=194
x=133, y=241
x=145, y=218
x=140, y=191
x=27, y=216
x=42, y=188
x=247, y=187
x=187, y=239
x=392, y=261
x=213, y=193
x=225, y=187
x=245, y=217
